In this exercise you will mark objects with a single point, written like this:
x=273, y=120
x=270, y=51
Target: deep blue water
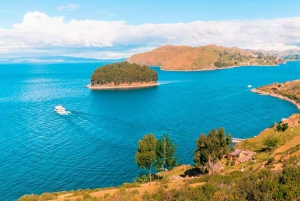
x=95, y=145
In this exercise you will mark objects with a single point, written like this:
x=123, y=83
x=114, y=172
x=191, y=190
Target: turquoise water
x=95, y=145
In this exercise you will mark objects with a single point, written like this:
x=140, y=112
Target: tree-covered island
x=123, y=75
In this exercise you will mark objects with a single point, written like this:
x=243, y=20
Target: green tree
x=284, y=127
x=122, y=72
x=278, y=127
x=165, y=150
x=210, y=149
x=271, y=142
x=145, y=154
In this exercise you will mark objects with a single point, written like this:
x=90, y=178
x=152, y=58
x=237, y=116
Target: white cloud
x=42, y=34
x=106, y=13
x=68, y=7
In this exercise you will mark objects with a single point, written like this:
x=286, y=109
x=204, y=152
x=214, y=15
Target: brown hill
x=171, y=57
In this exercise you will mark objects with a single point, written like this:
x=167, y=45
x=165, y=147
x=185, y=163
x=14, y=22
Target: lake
x=95, y=145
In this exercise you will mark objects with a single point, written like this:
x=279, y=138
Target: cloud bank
x=68, y=7
x=40, y=34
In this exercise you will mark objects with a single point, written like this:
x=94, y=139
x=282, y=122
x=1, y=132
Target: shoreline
x=276, y=96
x=134, y=86
x=198, y=70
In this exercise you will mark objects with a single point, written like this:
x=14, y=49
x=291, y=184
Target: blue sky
x=114, y=29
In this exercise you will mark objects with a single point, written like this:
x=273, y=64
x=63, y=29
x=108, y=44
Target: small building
x=241, y=156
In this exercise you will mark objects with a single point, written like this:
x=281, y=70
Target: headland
x=289, y=91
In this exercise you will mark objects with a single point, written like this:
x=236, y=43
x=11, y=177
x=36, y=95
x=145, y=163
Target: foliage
x=271, y=142
x=257, y=185
x=142, y=178
x=145, y=154
x=278, y=127
x=131, y=185
x=165, y=150
x=123, y=72
x=211, y=148
x=42, y=197
x=282, y=127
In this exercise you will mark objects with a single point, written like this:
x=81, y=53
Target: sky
x=117, y=28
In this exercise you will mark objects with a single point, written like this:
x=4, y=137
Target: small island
x=123, y=75
x=289, y=91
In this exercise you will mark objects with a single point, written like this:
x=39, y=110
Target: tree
x=210, y=149
x=145, y=154
x=271, y=142
x=122, y=72
x=165, y=150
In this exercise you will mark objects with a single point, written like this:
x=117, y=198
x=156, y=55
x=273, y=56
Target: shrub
x=271, y=142
x=278, y=127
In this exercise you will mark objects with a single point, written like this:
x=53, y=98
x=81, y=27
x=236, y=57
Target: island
x=123, y=75
x=209, y=57
x=289, y=91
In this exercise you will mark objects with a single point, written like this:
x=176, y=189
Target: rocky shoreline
x=122, y=86
x=276, y=95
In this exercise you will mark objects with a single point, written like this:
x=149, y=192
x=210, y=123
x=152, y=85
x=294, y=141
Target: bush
x=143, y=178
x=270, y=161
x=131, y=185
x=284, y=127
x=278, y=127
x=271, y=142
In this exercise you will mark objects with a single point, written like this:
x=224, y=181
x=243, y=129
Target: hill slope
x=201, y=58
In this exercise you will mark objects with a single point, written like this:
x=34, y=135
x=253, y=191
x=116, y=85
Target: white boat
x=60, y=110
x=249, y=86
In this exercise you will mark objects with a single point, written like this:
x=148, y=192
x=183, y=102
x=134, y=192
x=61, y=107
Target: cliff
x=208, y=57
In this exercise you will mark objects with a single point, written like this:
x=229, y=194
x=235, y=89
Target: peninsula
x=209, y=57
x=289, y=91
x=123, y=75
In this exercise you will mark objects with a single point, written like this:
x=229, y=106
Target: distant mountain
x=293, y=54
x=56, y=59
x=202, y=58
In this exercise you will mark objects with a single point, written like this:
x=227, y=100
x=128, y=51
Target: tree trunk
x=209, y=164
x=150, y=174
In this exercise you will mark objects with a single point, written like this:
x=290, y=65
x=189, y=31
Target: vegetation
x=158, y=153
x=204, y=57
x=210, y=149
x=274, y=175
x=122, y=73
x=235, y=186
x=271, y=142
x=165, y=150
x=145, y=154
x=289, y=90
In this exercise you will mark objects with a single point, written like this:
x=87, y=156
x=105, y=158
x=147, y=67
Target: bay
x=95, y=145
